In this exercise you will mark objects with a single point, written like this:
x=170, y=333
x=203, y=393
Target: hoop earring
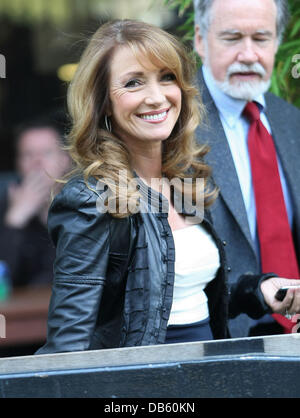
x=107, y=123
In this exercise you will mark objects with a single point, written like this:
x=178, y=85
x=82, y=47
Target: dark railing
x=248, y=367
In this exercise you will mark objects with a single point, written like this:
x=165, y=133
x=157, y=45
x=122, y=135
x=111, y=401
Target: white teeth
x=154, y=117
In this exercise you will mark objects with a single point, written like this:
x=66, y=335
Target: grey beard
x=244, y=90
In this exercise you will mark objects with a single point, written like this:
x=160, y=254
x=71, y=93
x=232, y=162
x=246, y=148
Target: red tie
x=275, y=237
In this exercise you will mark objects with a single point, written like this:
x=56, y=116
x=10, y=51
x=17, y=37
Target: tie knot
x=251, y=111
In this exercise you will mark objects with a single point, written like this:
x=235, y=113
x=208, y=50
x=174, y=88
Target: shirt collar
x=230, y=108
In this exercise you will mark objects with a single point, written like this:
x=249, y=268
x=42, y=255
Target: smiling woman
x=151, y=97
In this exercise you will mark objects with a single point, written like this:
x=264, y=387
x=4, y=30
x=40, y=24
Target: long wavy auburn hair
x=98, y=152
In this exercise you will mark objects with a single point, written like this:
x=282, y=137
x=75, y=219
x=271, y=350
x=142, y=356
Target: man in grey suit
x=237, y=41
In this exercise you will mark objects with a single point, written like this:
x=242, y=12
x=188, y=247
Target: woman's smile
x=154, y=116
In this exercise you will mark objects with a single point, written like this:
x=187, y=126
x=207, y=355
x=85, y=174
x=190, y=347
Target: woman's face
x=145, y=99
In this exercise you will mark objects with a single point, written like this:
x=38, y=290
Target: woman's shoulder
x=75, y=210
x=87, y=199
x=78, y=191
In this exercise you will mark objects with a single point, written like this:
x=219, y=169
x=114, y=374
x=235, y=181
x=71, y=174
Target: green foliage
x=286, y=75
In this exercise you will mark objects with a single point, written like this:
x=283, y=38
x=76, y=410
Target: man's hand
x=28, y=199
x=290, y=304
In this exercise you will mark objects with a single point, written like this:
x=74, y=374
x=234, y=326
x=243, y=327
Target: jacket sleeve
x=81, y=236
x=246, y=297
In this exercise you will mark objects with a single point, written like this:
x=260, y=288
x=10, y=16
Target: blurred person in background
x=24, y=240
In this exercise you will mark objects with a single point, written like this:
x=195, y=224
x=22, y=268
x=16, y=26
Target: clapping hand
x=27, y=199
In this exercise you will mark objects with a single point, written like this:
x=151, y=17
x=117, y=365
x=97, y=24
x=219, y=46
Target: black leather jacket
x=113, y=278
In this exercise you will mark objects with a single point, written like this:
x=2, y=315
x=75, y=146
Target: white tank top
x=197, y=261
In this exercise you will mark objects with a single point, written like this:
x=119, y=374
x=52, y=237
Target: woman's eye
x=132, y=83
x=169, y=77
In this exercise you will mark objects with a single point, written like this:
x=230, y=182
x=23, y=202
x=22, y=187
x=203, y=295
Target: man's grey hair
x=202, y=10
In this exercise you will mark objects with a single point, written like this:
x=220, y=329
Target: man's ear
x=199, y=43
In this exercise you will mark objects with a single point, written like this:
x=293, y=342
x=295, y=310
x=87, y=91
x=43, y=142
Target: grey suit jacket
x=229, y=213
